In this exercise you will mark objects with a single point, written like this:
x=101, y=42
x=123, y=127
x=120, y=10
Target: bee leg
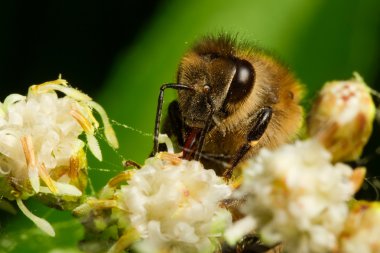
x=173, y=124
x=130, y=163
x=260, y=124
x=251, y=244
x=176, y=86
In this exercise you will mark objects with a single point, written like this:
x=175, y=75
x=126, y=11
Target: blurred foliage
x=320, y=39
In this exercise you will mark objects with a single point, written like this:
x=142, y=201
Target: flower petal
x=40, y=223
x=34, y=179
x=63, y=189
x=108, y=130
x=68, y=189
x=164, y=138
x=239, y=229
x=60, y=85
x=12, y=99
x=94, y=146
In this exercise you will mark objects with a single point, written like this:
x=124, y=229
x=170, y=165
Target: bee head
x=218, y=80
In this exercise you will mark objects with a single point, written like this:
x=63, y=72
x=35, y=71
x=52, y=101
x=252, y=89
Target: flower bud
x=362, y=229
x=342, y=117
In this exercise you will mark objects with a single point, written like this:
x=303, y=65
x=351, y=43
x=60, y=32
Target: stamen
x=125, y=241
x=83, y=121
x=102, y=203
x=44, y=174
x=73, y=168
x=121, y=177
x=27, y=146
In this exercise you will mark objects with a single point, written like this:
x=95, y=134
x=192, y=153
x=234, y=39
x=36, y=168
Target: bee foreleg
x=260, y=124
x=173, y=125
x=176, y=86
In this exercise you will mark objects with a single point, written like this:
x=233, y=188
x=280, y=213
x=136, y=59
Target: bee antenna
x=176, y=86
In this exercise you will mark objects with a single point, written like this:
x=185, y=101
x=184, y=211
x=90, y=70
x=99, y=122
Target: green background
x=320, y=40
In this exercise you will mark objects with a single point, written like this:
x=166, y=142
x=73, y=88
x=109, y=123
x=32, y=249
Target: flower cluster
x=40, y=148
x=172, y=204
x=300, y=194
x=299, y=197
x=296, y=196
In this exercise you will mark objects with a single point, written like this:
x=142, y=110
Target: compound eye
x=242, y=82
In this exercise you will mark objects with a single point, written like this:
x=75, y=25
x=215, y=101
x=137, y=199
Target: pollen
x=74, y=167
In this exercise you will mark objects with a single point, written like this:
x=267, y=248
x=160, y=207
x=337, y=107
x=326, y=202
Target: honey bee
x=233, y=99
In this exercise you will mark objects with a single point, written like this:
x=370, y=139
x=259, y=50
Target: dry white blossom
x=296, y=196
x=362, y=229
x=173, y=205
x=40, y=148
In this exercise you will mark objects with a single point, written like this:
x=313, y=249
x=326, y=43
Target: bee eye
x=242, y=82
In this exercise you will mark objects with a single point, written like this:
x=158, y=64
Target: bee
x=233, y=100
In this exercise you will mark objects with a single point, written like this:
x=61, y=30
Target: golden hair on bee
x=233, y=99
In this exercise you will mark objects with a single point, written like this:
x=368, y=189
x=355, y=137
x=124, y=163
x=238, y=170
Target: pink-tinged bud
x=342, y=117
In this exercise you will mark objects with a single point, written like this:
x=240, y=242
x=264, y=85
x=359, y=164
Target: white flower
x=40, y=149
x=296, y=196
x=38, y=134
x=169, y=205
x=362, y=229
